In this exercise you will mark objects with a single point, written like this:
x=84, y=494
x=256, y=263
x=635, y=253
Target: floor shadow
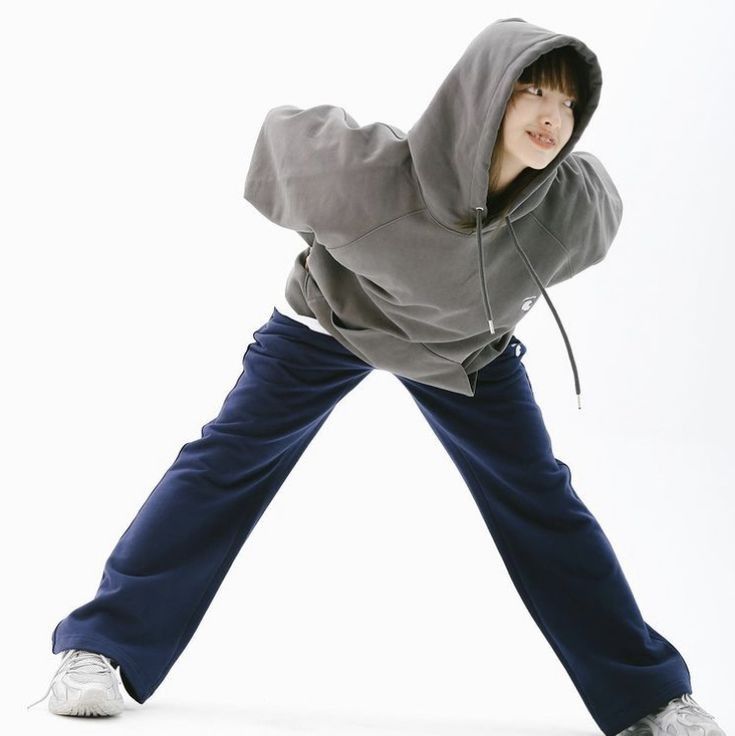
x=305, y=720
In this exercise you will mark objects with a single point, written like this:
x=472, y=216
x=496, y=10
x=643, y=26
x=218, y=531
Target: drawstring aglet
x=579, y=401
x=492, y=327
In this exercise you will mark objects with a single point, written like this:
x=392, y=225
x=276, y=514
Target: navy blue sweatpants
x=167, y=566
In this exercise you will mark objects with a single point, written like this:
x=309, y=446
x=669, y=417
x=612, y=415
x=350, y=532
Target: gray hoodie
x=390, y=270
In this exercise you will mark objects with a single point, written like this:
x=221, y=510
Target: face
x=539, y=109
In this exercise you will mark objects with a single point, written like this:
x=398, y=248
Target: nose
x=550, y=116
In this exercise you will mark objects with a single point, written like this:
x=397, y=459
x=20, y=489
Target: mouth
x=545, y=143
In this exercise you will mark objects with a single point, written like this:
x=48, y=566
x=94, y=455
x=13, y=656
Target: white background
x=370, y=597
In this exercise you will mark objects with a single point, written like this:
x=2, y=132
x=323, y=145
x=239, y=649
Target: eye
x=571, y=106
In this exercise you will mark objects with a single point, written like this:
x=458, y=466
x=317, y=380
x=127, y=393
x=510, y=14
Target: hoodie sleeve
x=582, y=210
x=302, y=170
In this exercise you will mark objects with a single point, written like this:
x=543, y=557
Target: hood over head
x=452, y=142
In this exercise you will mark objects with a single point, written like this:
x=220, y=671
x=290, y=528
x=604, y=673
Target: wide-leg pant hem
x=131, y=678
x=613, y=723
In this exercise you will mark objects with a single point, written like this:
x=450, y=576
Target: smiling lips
x=545, y=141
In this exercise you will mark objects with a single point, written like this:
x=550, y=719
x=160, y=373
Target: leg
x=558, y=557
x=165, y=569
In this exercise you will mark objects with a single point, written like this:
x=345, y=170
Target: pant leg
x=166, y=568
x=558, y=557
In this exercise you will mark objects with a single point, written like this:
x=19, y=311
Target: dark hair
x=561, y=68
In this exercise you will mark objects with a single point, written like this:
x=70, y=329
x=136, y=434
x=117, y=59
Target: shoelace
x=76, y=659
x=683, y=704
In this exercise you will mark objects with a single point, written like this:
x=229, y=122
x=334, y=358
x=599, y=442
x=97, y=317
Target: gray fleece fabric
x=392, y=270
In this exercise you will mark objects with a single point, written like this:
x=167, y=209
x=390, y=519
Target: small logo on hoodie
x=528, y=302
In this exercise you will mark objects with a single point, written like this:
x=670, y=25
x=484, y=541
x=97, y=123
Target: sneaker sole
x=92, y=703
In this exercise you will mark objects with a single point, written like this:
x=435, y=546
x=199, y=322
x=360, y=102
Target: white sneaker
x=681, y=716
x=84, y=685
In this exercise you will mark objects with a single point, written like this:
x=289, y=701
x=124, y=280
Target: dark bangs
x=560, y=69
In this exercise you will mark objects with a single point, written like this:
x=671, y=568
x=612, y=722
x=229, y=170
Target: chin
x=536, y=165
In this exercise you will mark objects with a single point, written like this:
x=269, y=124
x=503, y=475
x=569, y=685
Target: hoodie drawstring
x=483, y=283
x=479, y=212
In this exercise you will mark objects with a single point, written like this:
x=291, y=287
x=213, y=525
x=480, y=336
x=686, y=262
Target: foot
x=84, y=685
x=681, y=716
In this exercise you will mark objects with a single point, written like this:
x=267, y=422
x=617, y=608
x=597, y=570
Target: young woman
x=424, y=252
